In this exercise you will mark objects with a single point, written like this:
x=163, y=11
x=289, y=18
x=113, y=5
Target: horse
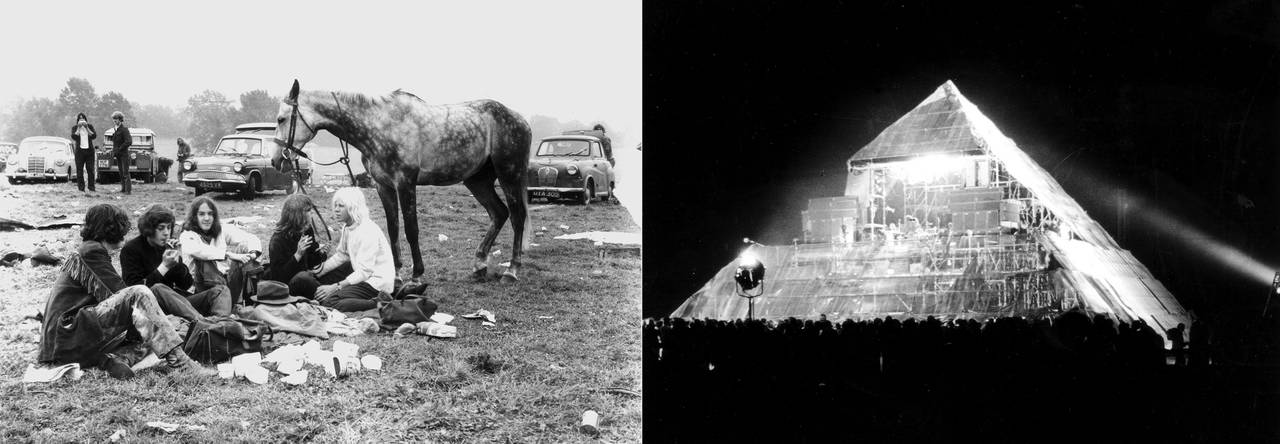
x=406, y=142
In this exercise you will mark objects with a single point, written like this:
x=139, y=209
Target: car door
x=257, y=161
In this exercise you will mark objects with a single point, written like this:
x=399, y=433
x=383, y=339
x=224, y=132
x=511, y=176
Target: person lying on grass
x=91, y=314
x=361, y=265
x=150, y=260
x=293, y=248
x=217, y=253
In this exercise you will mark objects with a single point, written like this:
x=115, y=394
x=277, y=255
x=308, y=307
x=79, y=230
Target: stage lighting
x=750, y=276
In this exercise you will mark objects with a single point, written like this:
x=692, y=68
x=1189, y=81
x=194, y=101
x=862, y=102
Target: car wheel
x=250, y=187
x=588, y=192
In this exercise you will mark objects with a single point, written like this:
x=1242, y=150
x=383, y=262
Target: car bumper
x=40, y=175
x=207, y=180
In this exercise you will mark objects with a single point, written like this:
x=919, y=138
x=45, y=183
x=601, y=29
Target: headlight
x=188, y=165
x=237, y=166
x=13, y=161
x=133, y=155
x=60, y=162
x=573, y=169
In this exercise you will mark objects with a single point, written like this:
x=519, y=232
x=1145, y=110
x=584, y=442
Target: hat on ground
x=274, y=293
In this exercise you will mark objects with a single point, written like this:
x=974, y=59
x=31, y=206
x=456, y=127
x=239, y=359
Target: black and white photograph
x=321, y=221
x=962, y=222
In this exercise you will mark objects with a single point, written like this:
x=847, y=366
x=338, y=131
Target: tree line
x=207, y=117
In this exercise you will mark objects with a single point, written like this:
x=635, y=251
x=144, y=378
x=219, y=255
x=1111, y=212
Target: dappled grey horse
x=406, y=142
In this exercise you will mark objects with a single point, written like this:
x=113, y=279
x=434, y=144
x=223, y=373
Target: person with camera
x=153, y=259
x=82, y=135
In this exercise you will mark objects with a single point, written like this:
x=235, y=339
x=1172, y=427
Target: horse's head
x=294, y=120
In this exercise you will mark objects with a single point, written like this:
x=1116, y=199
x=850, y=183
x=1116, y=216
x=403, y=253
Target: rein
x=345, y=160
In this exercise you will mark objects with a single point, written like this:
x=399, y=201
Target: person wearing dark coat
x=82, y=135
x=148, y=260
x=184, y=151
x=120, y=142
x=293, y=248
x=91, y=313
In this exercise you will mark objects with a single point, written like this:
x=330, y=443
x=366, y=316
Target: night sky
x=752, y=108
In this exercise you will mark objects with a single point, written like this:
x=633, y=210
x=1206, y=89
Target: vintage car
x=6, y=148
x=42, y=158
x=570, y=167
x=144, y=162
x=241, y=163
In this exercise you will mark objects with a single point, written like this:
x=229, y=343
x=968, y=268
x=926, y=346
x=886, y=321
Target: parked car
x=241, y=163
x=6, y=148
x=42, y=158
x=570, y=166
x=144, y=162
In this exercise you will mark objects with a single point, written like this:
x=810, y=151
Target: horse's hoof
x=509, y=278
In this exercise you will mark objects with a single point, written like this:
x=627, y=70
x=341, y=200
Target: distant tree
x=79, y=97
x=211, y=116
x=165, y=121
x=112, y=102
x=36, y=117
x=257, y=106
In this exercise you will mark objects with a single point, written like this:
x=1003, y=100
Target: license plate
x=102, y=163
x=209, y=185
x=37, y=174
x=546, y=193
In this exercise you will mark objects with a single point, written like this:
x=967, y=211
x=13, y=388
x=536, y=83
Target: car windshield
x=238, y=147
x=42, y=147
x=564, y=148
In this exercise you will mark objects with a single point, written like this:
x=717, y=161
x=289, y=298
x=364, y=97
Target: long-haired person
x=150, y=260
x=91, y=313
x=293, y=248
x=364, y=248
x=216, y=253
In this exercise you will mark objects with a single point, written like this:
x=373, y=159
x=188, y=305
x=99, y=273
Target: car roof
x=571, y=137
x=258, y=126
x=133, y=131
x=46, y=139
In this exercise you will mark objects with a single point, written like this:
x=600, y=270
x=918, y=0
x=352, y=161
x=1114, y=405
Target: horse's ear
x=293, y=92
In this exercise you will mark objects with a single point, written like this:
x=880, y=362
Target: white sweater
x=230, y=239
x=369, y=253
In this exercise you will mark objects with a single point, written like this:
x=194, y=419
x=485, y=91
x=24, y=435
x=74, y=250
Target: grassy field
x=567, y=332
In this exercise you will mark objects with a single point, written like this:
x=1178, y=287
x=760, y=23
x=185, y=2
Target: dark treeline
x=1005, y=380
x=208, y=115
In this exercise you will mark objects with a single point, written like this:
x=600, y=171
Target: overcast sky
x=573, y=60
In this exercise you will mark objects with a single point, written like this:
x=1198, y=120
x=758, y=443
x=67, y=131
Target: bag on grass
x=218, y=338
x=410, y=310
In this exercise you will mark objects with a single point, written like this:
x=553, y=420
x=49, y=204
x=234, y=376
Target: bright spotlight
x=750, y=276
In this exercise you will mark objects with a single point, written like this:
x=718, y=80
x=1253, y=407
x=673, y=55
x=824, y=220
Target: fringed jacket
x=70, y=333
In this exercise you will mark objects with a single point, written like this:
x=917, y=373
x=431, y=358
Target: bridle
x=294, y=117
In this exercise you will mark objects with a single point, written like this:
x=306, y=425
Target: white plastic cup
x=590, y=422
x=371, y=362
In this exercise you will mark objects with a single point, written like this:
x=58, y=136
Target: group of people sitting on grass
x=92, y=309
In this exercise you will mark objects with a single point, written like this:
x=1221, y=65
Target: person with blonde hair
x=363, y=250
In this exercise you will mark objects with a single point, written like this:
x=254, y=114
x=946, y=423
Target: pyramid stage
x=944, y=216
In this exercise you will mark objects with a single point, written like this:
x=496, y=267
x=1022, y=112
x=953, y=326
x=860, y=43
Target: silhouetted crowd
x=1002, y=380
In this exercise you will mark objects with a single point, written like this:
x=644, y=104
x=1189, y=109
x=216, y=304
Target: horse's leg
x=481, y=186
x=517, y=193
x=387, y=193
x=409, y=208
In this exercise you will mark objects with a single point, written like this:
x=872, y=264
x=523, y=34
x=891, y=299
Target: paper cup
x=226, y=371
x=371, y=362
x=590, y=422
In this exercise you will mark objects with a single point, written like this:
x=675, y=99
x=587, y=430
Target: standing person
x=293, y=248
x=90, y=313
x=120, y=141
x=150, y=260
x=82, y=135
x=605, y=143
x=364, y=247
x=217, y=253
x=184, y=151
